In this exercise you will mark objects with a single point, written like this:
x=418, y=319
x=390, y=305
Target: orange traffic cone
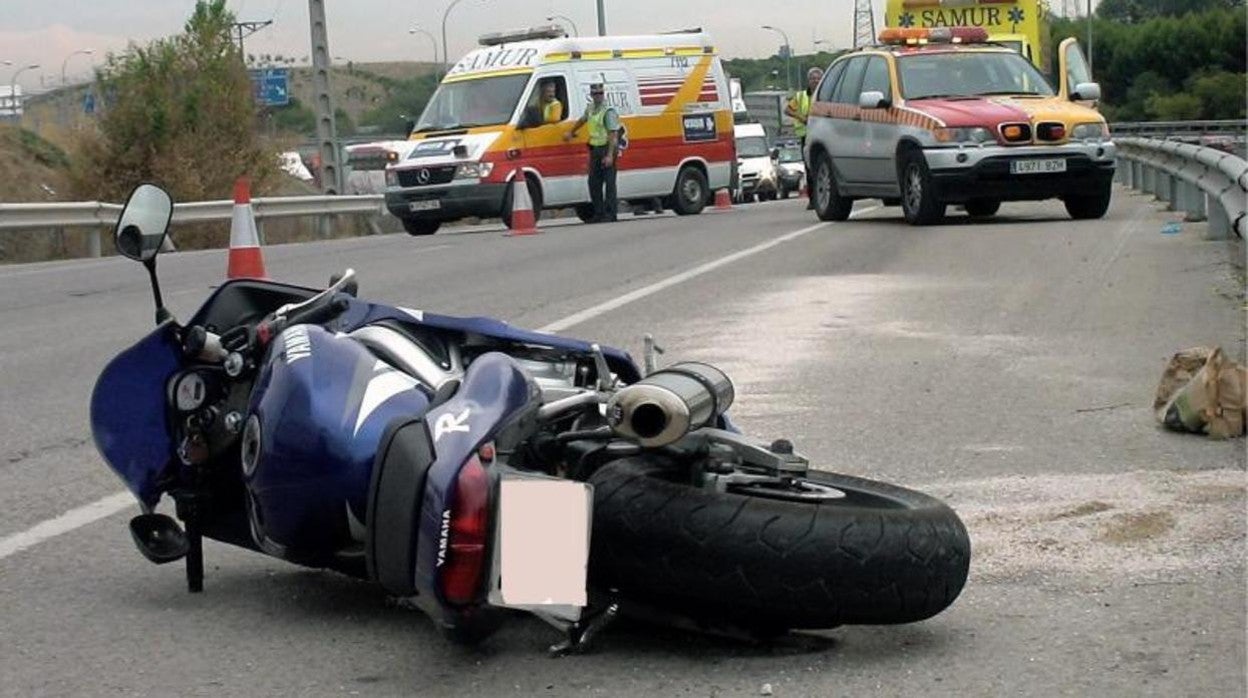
x=246, y=260
x=723, y=200
x=523, y=222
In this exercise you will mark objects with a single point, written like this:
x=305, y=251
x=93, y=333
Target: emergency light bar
x=913, y=36
x=550, y=31
x=918, y=4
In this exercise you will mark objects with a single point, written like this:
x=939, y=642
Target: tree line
x=1165, y=60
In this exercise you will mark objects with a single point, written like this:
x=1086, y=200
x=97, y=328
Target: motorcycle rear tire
x=883, y=555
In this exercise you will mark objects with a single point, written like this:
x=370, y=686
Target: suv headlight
x=972, y=135
x=474, y=170
x=1090, y=131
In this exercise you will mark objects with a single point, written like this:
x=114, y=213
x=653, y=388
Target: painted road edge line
x=114, y=503
x=637, y=294
x=70, y=520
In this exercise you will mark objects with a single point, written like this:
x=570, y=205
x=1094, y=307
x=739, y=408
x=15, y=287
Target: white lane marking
x=71, y=266
x=90, y=513
x=70, y=520
x=638, y=294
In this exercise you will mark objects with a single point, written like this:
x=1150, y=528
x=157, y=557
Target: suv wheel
x=918, y=196
x=829, y=204
x=420, y=226
x=982, y=207
x=1091, y=206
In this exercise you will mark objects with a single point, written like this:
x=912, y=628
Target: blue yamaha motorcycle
x=475, y=467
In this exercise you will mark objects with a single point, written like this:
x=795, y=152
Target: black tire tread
x=1092, y=206
x=766, y=563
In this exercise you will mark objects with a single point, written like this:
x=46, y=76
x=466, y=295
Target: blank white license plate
x=543, y=541
x=1037, y=166
x=428, y=205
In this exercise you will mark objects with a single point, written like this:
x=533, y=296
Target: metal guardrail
x=1179, y=128
x=102, y=216
x=1205, y=183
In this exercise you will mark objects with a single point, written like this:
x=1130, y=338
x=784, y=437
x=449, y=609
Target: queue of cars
x=925, y=119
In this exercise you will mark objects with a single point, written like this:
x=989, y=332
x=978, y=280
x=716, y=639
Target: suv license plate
x=427, y=205
x=1037, y=166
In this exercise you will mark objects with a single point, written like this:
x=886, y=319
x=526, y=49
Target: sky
x=48, y=32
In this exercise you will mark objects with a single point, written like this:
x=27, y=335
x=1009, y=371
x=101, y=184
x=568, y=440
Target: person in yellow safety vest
x=552, y=108
x=799, y=109
x=604, y=142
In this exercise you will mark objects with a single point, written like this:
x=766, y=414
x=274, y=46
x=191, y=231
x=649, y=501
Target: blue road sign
x=271, y=86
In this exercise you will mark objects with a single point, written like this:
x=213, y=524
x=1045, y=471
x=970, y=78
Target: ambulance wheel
x=691, y=192
x=415, y=226
x=535, y=195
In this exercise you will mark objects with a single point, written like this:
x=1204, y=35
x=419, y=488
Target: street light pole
x=84, y=52
x=575, y=31
x=1089, y=39
x=445, y=66
x=433, y=40
x=602, y=20
x=13, y=103
x=788, y=53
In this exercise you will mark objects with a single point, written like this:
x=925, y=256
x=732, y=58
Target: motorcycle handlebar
x=308, y=315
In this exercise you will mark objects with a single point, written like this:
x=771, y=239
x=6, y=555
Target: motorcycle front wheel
x=773, y=561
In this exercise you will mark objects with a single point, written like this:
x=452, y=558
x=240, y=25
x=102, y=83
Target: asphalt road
x=1007, y=366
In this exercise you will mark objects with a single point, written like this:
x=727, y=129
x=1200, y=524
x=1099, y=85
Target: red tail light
x=460, y=576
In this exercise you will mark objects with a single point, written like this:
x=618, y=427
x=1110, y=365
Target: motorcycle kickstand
x=581, y=634
x=194, y=558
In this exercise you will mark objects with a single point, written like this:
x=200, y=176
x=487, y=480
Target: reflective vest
x=801, y=105
x=598, y=134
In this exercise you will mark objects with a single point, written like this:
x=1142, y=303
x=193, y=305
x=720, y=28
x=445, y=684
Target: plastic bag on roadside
x=1202, y=391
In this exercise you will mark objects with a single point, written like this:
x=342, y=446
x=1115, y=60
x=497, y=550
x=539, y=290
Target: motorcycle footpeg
x=158, y=538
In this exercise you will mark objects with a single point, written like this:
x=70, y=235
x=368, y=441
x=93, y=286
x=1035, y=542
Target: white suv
x=934, y=118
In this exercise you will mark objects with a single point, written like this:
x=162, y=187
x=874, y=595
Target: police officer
x=799, y=109
x=604, y=141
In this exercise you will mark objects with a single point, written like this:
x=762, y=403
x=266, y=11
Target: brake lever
x=348, y=276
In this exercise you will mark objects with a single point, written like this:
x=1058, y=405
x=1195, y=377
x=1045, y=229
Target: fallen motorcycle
x=476, y=467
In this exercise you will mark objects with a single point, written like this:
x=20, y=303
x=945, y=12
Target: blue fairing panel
x=129, y=421
x=323, y=402
x=495, y=391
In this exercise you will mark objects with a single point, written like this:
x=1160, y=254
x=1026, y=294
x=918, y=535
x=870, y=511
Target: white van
x=483, y=125
x=758, y=176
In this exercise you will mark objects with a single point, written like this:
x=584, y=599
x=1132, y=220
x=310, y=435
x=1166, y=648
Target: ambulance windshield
x=482, y=101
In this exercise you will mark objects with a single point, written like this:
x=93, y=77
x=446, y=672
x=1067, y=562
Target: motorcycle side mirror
x=144, y=222
x=159, y=538
x=141, y=231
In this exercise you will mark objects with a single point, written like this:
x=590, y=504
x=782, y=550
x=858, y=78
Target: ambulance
x=486, y=123
x=1022, y=25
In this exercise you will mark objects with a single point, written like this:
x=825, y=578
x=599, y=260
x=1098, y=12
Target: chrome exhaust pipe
x=667, y=404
